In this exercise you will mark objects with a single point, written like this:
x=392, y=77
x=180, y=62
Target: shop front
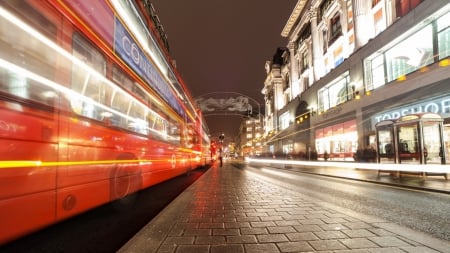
x=337, y=142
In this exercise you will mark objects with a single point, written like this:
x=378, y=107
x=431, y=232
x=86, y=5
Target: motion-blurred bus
x=92, y=109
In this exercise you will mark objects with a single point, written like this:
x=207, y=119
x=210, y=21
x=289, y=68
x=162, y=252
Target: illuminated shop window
x=284, y=121
x=339, y=141
x=443, y=30
x=410, y=54
x=288, y=148
x=334, y=93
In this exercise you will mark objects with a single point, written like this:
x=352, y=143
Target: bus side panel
x=85, y=183
x=25, y=214
x=27, y=186
x=79, y=198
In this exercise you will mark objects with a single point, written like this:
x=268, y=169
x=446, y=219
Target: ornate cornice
x=293, y=18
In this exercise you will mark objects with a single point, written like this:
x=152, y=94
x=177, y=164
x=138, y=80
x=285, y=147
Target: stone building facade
x=350, y=64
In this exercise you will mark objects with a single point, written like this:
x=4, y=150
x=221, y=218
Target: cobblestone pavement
x=229, y=210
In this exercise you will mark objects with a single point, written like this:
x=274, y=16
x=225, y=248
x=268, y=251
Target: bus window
x=157, y=125
x=86, y=81
x=128, y=84
x=22, y=51
x=137, y=121
x=120, y=78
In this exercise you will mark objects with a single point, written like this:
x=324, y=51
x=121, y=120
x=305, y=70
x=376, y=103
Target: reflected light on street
x=431, y=168
x=276, y=173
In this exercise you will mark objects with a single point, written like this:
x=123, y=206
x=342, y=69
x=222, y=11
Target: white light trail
x=430, y=168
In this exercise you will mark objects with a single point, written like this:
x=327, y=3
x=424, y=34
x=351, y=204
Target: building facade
x=250, y=136
x=350, y=64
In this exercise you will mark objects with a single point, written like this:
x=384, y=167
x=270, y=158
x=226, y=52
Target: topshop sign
x=440, y=106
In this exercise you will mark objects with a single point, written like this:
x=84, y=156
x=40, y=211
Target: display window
x=337, y=142
x=411, y=52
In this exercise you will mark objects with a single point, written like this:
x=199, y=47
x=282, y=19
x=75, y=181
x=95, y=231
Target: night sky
x=222, y=46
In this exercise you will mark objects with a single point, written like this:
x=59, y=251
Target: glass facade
x=284, y=120
x=339, y=141
x=443, y=34
x=412, y=52
x=334, y=93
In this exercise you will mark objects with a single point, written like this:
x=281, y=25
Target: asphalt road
x=423, y=211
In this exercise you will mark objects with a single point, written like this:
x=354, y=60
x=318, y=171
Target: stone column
x=295, y=89
x=318, y=65
x=364, y=28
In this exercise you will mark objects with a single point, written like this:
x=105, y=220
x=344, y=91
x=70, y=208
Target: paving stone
x=327, y=245
x=303, y=236
x=389, y=241
x=198, y=231
x=352, y=251
x=254, y=231
x=358, y=243
x=236, y=224
x=271, y=218
x=294, y=247
x=281, y=229
x=262, y=224
x=167, y=248
x=179, y=240
x=308, y=228
x=211, y=225
x=242, y=239
x=210, y=240
x=334, y=220
x=225, y=219
x=324, y=235
x=357, y=225
x=227, y=231
x=358, y=233
x=248, y=219
x=272, y=238
x=380, y=232
x=332, y=227
x=419, y=249
x=287, y=223
x=261, y=248
x=311, y=221
x=386, y=250
x=192, y=249
x=230, y=248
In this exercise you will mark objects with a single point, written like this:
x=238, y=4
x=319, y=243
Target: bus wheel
x=125, y=180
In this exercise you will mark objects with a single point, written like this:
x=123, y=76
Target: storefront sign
x=331, y=112
x=440, y=106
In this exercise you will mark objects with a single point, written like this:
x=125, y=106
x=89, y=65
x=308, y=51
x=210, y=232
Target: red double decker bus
x=91, y=109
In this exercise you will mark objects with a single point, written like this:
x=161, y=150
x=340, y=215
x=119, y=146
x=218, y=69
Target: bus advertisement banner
x=126, y=48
